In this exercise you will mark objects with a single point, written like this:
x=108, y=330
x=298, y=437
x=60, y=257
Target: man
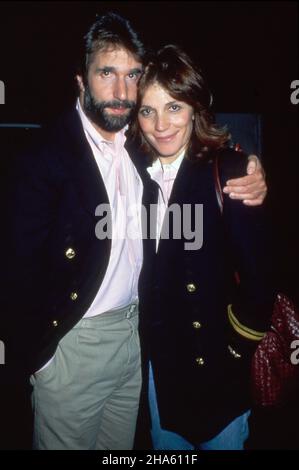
x=72, y=293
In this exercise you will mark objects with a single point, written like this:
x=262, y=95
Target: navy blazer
x=201, y=384
x=55, y=264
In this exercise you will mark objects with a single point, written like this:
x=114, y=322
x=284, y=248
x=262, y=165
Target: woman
x=199, y=328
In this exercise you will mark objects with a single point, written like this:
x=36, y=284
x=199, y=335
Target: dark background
x=248, y=52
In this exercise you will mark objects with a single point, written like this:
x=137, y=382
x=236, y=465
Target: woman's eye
x=145, y=112
x=175, y=107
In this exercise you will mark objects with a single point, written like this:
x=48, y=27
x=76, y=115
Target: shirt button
x=191, y=287
x=55, y=323
x=74, y=296
x=196, y=325
x=199, y=361
x=70, y=253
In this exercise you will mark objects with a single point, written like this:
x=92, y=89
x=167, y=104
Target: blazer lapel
x=184, y=182
x=83, y=166
x=186, y=190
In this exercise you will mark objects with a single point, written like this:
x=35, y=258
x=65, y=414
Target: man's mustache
x=116, y=104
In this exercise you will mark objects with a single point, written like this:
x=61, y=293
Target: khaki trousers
x=88, y=396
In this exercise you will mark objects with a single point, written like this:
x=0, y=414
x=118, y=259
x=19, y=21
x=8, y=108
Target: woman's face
x=165, y=122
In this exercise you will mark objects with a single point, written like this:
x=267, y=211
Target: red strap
x=218, y=188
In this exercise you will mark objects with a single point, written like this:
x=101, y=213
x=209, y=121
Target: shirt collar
x=99, y=141
x=158, y=166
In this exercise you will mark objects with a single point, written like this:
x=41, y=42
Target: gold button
x=74, y=295
x=55, y=323
x=191, y=287
x=234, y=353
x=70, y=253
x=196, y=325
x=199, y=361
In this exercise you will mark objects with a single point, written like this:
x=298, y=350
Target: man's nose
x=120, y=89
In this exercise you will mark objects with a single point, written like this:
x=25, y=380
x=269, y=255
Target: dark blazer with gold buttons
x=54, y=262
x=201, y=358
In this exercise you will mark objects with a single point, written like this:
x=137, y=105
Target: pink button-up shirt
x=124, y=188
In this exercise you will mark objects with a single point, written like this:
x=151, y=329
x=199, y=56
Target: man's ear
x=80, y=83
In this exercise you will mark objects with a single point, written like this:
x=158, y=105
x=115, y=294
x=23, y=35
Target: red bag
x=275, y=370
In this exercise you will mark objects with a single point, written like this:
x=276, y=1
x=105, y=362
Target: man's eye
x=106, y=73
x=134, y=76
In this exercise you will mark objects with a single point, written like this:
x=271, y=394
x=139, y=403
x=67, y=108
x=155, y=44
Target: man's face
x=109, y=96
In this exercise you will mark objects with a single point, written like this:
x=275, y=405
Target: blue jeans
x=232, y=437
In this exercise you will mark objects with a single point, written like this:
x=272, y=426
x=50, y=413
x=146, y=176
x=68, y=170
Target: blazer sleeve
x=31, y=199
x=251, y=256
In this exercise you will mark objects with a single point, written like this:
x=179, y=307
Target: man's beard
x=96, y=112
